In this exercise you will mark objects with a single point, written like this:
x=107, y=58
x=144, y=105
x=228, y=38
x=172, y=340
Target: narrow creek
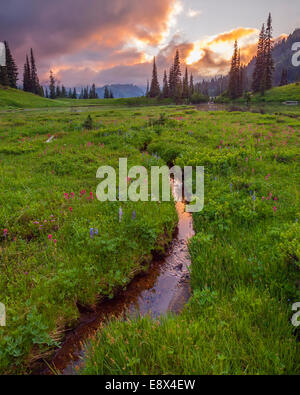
x=165, y=287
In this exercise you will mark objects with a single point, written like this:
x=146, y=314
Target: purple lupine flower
x=91, y=232
x=254, y=197
x=230, y=187
x=96, y=231
x=133, y=214
x=120, y=214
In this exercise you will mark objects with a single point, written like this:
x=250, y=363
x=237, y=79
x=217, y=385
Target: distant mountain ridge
x=121, y=90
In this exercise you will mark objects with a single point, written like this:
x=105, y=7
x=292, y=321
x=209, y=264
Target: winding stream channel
x=165, y=287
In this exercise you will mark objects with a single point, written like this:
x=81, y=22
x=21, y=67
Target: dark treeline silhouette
x=175, y=86
x=57, y=91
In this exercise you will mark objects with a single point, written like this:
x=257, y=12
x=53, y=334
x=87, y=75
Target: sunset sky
x=114, y=41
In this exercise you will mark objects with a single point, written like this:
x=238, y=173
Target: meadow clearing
x=61, y=247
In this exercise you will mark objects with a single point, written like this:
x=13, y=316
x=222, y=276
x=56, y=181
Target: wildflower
x=70, y=208
x=274, y=209
x=91, y=232
x=96, y=231
x=120, y=214
x=55, y=241
x=230, y=187
x=50, y=237
x=133, y=214
x=72, y=194
x=275, y=198
x=263, y=198
x=247, y=159
x=254, y=197
x=5, y=232
x=66, y=196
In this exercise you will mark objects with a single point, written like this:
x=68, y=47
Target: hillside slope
x=14, y=98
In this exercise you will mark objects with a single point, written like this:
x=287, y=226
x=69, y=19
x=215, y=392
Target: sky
x=114, y=41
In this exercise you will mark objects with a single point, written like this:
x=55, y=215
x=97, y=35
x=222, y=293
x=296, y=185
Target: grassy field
x=278, y=94
x=11, y=99
x=245, y=256
x=61, y=246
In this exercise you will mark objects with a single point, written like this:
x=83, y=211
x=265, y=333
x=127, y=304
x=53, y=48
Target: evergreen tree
x=11, y=68
x=41, y=91
x=284, y=77
x=259, y=70
x=27, y=84
x=191, y=89
x=234, y=76
x=111, y=95
x=106, y=92
x=185, y=85
x=52, y=94
x=269, y=62
x=63, y=92
x=58, y=91
x=147, y=89
x=74, y=94
x=47, y=93
x=86, y=93
x=175, y=78
x=165, y=91
x=4, y=80
x=35, y=85
x=70, y=93
x=154, y=88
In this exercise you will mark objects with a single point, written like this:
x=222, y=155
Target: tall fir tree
x=35, y=85
x=185, y=85
x=284, y=77
x=233, y=88
x=154, y=87
x=147, y=89
x=11, y=67
x=27, y=84
x=259, y=70
x=52, y=91
x=269, y=62
x=4, y=81
x=175, y=84
x=106, y=92
x=74, y=94
x=191, y=88
x=165, y=91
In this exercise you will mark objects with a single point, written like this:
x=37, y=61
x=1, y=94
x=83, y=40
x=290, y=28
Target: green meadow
x=61, y=247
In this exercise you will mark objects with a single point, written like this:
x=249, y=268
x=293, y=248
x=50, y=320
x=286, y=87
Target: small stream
x=165, y=287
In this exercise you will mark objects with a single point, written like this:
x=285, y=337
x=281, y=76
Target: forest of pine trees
x=174, y=86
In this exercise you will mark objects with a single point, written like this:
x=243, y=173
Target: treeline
x=262, y=78
x=174, y=86
x=57, y=91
